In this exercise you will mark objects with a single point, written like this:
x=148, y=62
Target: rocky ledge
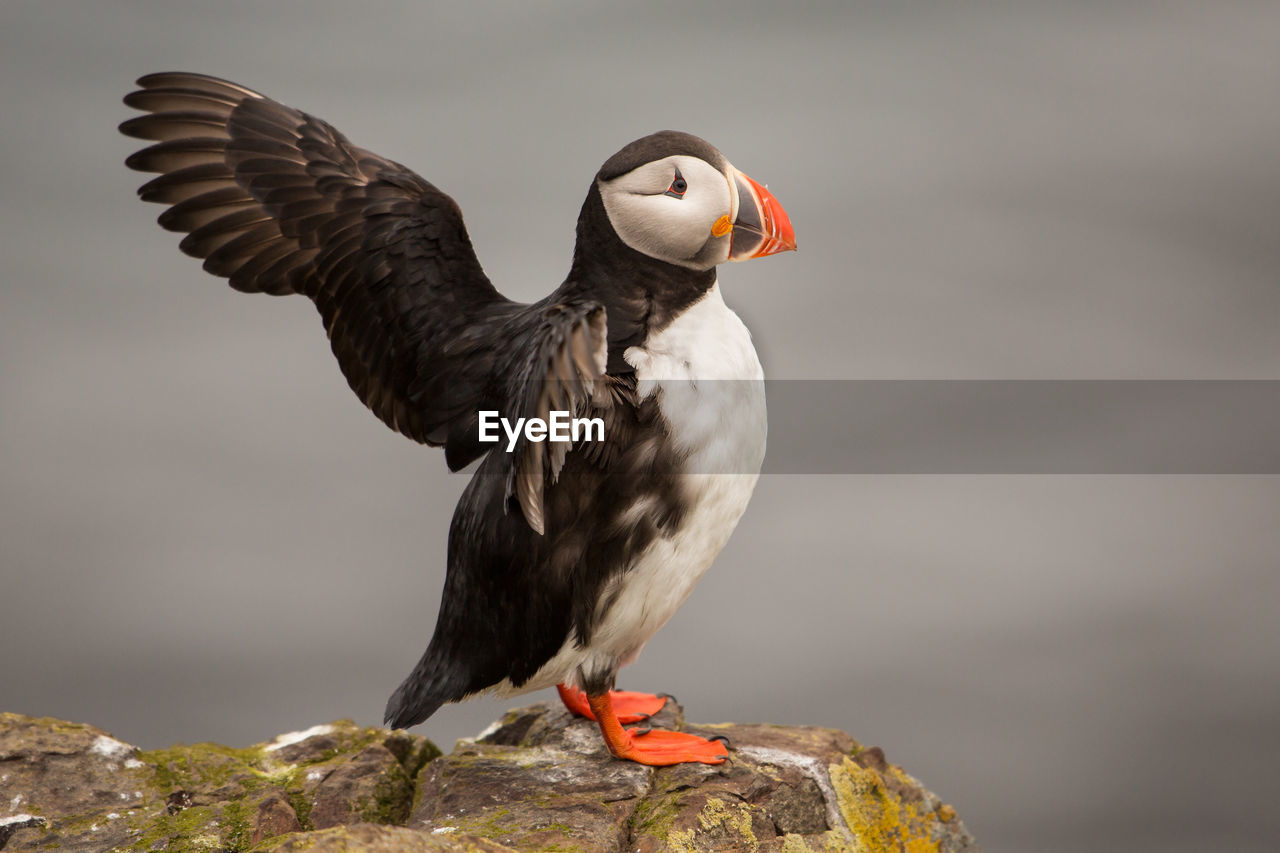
x=536, y=780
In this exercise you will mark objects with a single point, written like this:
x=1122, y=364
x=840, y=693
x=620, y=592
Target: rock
x=543, y=780
x=538, y=779
x=369, y=838
x=49, y=767
x=93, y=792
x=370, y=785
x=10, y=825
x=275, y=817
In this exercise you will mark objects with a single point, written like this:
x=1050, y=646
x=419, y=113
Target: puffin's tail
x=420, y=695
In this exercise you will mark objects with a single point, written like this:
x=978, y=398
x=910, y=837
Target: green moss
x=301, y=804
x=201, y=766
x=233, y=775
x=11, y=719
x=491, y=825
x=237, y=831
x=426, y=754
x=501, y=825
x=392, y=800
x=293, y=843
x=396, y=793
x=238, y=779
x=206, y=768
x=351, y=739
x=187, y=831
x=412, y=752
x=654, y=816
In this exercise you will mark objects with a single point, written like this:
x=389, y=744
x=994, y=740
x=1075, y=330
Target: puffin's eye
x=678, y=186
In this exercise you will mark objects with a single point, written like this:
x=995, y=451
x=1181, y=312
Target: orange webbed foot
x=652, y=747
x=629, y=706
x=661, y=749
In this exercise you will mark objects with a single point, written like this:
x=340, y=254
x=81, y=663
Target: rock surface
x=536, y=780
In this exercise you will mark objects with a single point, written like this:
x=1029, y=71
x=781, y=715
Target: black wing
x=562, y=371
x=280, y=202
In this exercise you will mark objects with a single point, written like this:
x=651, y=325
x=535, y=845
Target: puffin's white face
x=679, y=209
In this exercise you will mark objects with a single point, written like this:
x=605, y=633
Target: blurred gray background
x=204, y=536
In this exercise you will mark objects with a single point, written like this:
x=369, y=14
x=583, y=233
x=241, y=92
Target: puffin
x=564, y=556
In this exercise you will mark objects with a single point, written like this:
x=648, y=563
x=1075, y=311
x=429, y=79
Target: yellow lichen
x=792, y=843
x=717, y=813
x=880, y=820
x=681, y=841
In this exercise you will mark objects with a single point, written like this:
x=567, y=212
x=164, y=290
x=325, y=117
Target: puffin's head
x=674, y=197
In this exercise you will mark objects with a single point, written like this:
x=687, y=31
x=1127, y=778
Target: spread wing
x=278, y=201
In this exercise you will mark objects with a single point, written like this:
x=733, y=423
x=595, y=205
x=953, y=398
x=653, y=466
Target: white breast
x=710, y=388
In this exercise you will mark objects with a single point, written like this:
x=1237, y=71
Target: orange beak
x=762, y=227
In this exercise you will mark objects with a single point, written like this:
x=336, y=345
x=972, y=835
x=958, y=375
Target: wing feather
x=564, y=370
x=280, y=202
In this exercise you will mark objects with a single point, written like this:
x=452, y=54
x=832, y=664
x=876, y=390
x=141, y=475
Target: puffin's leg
x=630, y=707
x=654, y=747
